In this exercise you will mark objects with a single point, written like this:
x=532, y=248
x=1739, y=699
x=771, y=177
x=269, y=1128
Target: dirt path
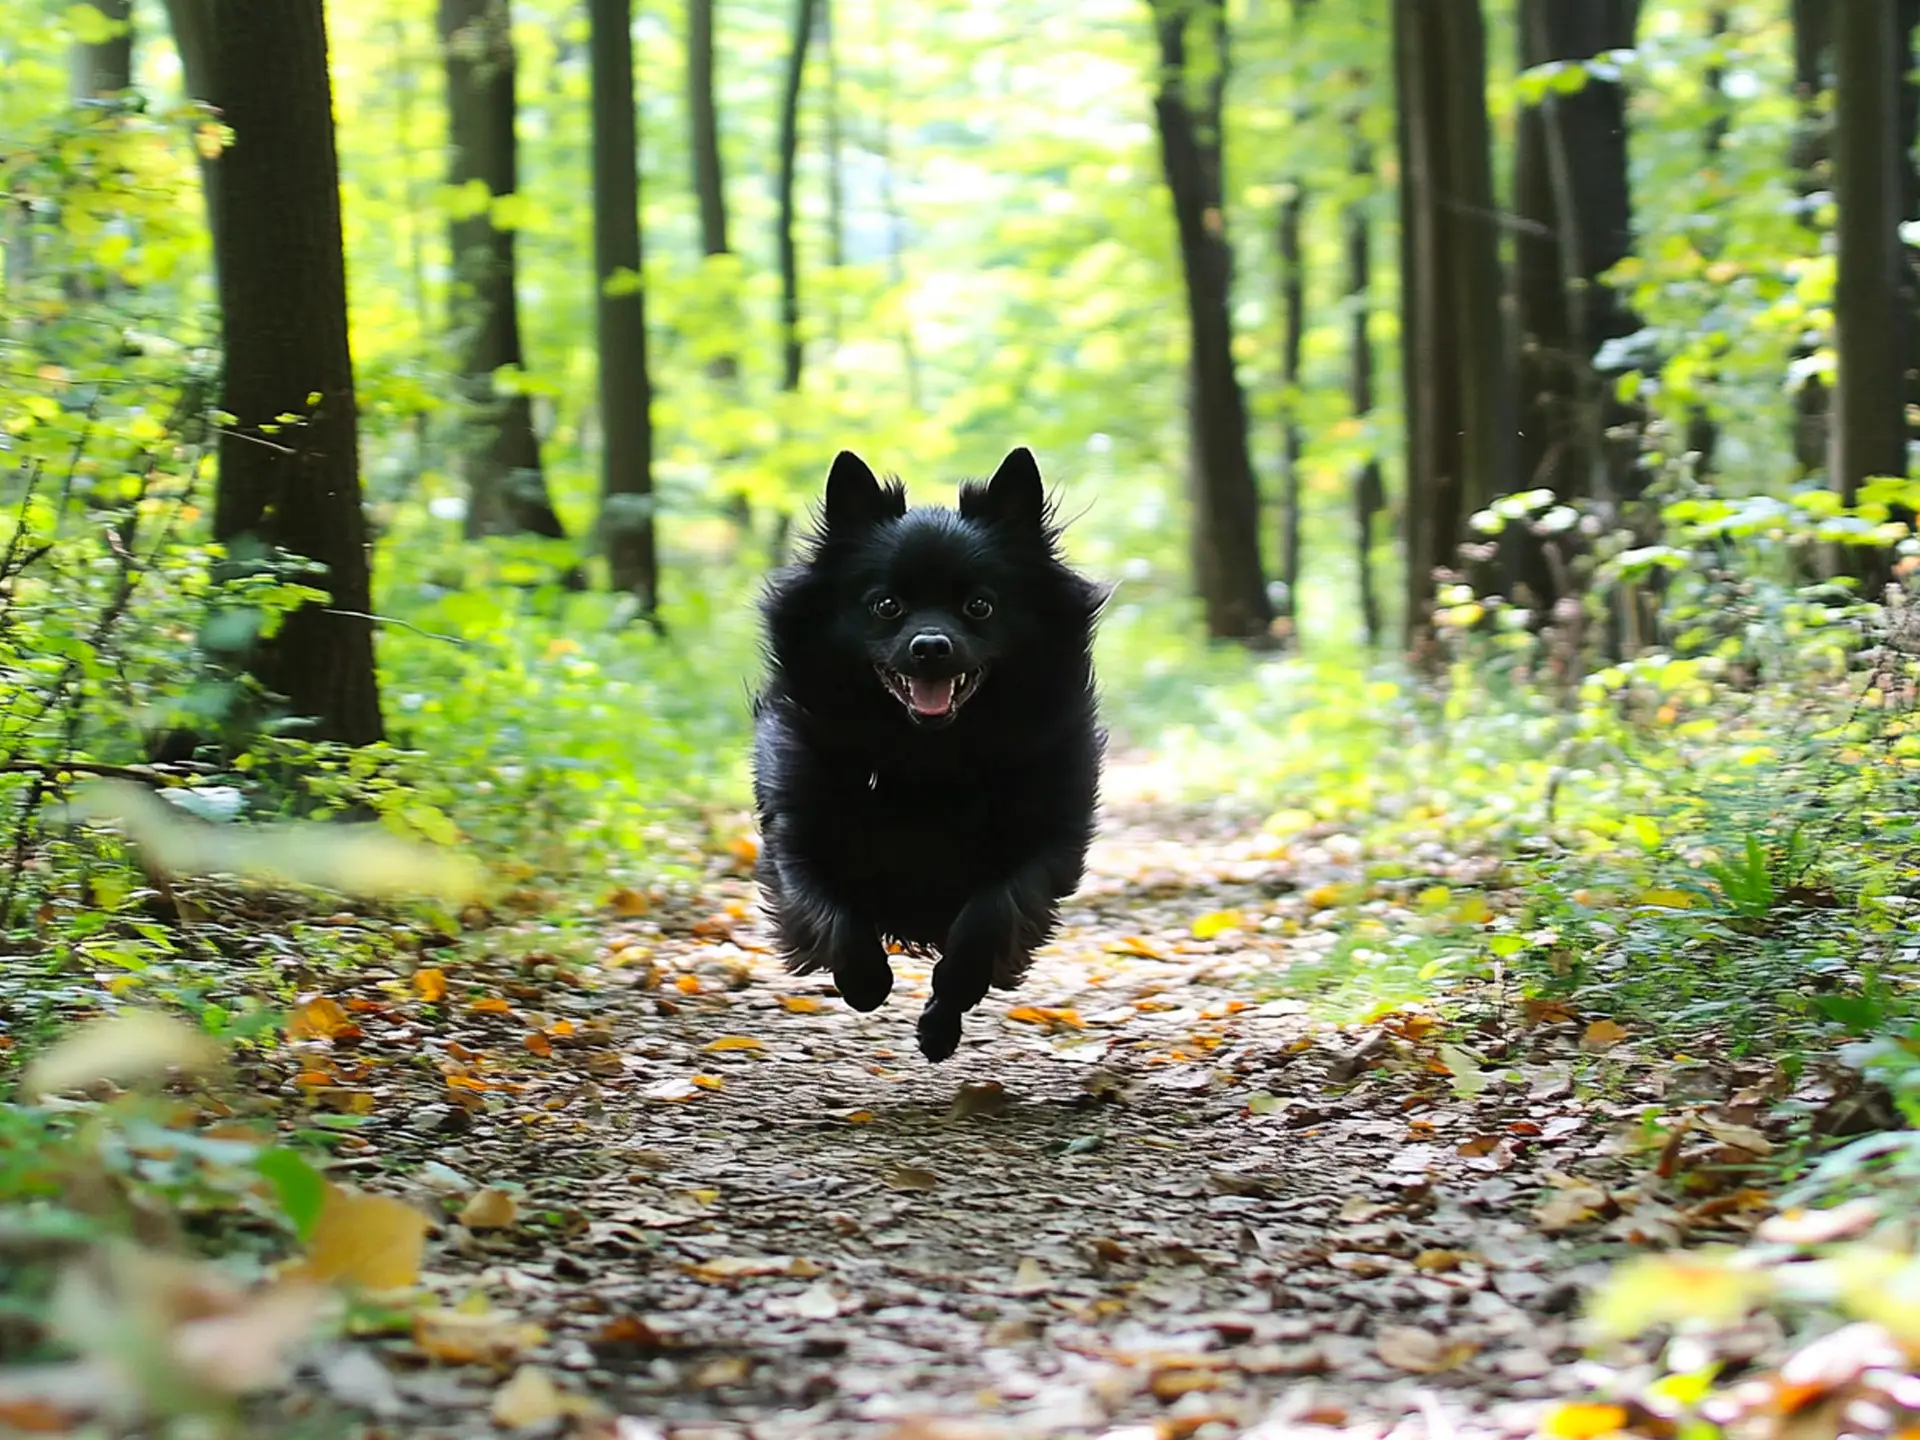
x=1142, y=1201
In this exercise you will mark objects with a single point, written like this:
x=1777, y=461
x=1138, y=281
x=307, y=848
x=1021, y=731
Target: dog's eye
x=886, y=607
x=979, y=608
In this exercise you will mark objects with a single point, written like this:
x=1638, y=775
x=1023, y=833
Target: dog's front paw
x=865, y=986
x=939, y=1029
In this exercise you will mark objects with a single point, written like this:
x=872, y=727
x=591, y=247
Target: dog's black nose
x=930, y=645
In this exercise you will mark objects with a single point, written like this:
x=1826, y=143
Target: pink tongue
x=931, y=697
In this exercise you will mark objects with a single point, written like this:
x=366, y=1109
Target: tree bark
x=1572, y=196
x=1809, y=157
x=106, y=68
x=1869, y=435
x=709, y=173
x=890, y=206
x=1458, y=389
x=506, y=488
x=292, y=488
x=1293, y=327
x=792, y=352
x=626, y=458
x=1369, y=493
x=1188, y=105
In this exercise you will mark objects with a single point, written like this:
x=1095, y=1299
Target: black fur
x=926, y=747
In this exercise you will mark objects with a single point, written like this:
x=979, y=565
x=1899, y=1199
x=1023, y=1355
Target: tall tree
x=1188, y=106
x=1572, y=196
x=626, y=395
x=103, y=65
x=709, y=175
x=890, y=205
x=1869, y=434
x=1293, y=326
x=1809, y=155
x=792, y=352
x=291, y=489
x=1459, y=397
x=506, y=488
x=1369, y=493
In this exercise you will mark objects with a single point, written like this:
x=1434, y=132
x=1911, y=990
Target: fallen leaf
x=538, y=1044
x=1171, y=1383
x=1133, y=945
x=1407, y=1347
x=461, y=1337
x=1566, y=1208
x=491, y=1005
x=1602, y=1035
x=1218, y=923
x=677, y=1088
x=1583, y=1422
x=628, y=902
x=906, y=1177
x=734, y=1042
x=364, y=1239
x=817, y=1302
x=800, y=1004
x=122, y=1049
x=979, y=1097
x=726, y=1268
x=489, y=1209
x=1740, y=1137
x=430, y=985
x=531, y=1398
x=1053, y=1020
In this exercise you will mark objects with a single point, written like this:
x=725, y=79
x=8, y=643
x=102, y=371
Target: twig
x=144, y=773
x=394, y=620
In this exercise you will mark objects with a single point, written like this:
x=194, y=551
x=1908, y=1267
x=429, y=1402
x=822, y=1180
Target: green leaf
x=300, y=1188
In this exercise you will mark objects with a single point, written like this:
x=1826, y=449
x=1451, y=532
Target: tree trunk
x=192, y=23
x=792, y=351
x=890, y=206
x=1226, y=499
x=1458, y=391
x=1571, y=192
x=1369, y=494
x=1808, y=155
x=709, y=175
x=293, y=488
x=506, y=489
x=1869, y=434
x=836, y=180
x=106, y=68
x=626, y=398
x=1293, y=327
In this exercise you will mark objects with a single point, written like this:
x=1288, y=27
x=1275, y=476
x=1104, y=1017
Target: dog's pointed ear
x=854, y=497
x=1015, y=494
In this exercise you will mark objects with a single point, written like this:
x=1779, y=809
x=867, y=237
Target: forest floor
x=1152, y=1196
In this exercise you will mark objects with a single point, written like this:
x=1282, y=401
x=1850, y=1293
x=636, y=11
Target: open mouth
x=930, y=699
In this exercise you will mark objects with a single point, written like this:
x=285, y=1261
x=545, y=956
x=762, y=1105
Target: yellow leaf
x=734, y=1042
x=130, y=1046
x=709, y=1082
x=1052, y=1019
x=800, y=1004
x=1325, y=897
x=368, y=1240
x=321, y=1018
x=491, y=1005
x=725, y=1268
x=430, y=985
x=908, y=1177
x=1602, y=1035
x=1406, y=1347
x=489, y=1209
x=1667, y=899
x=531, y=1398
x=1133, y=945
x=687, y=984
x=1583, y=1422
x=1217, y=923
x=464, y=1337
x=629, y=902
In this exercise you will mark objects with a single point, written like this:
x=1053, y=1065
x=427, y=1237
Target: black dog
x=926, y=750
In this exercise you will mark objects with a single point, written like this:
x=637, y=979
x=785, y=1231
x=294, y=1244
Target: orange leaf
x=733, y=1042
x=538, y=1044
x=800, y=1004
x=628, y=902
x=365, y=1239
x=1602, y=1035
x=320, y=1018
x=1133, y=945
x=709, y=1082
x=430, y=984
x=1052, y=1019
x=491, y=1005
x=687, y=984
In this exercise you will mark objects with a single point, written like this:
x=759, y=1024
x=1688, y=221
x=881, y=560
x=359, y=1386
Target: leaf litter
x=667, y=1189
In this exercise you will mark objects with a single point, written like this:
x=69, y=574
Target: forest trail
x=1142, y=1201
